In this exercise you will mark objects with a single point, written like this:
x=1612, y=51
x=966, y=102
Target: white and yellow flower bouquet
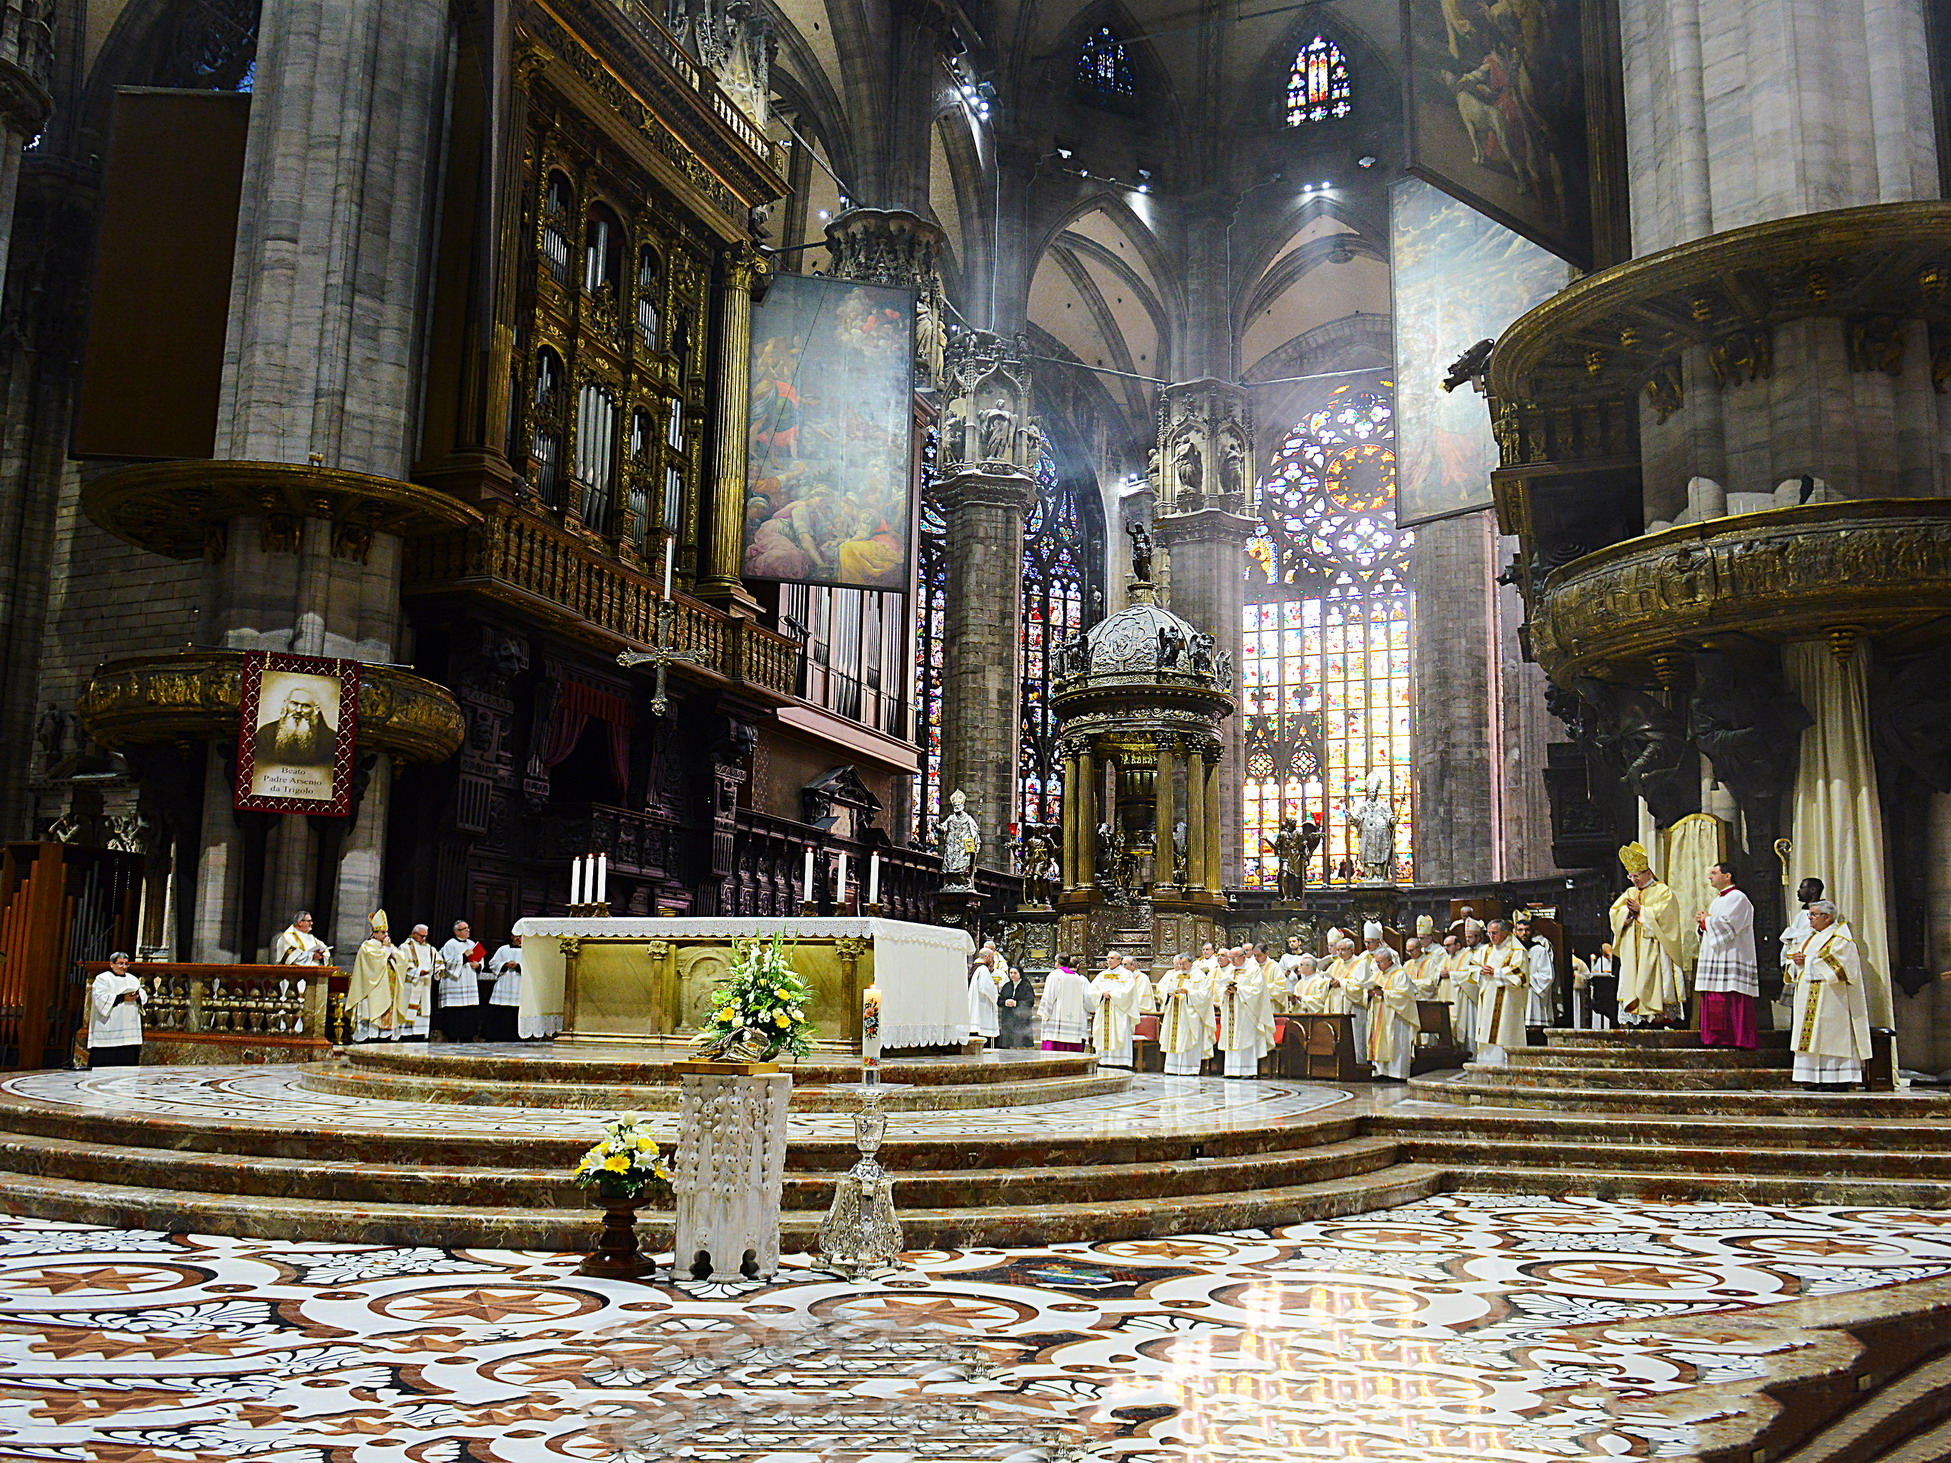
x=627, y=1164
x=758, y=1010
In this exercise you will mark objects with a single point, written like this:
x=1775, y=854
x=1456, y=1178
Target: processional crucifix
x=663, y=652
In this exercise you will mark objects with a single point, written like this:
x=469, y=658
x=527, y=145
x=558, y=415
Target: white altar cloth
x=922, y=970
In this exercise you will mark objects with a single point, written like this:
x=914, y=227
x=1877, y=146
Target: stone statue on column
x=959, y=840
x=1375, y=823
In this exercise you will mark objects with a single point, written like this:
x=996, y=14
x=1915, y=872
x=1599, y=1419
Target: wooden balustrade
x=234, y=1013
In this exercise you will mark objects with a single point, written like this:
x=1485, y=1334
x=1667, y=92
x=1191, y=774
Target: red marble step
x=1676, y=1058
x=1860, y=1164
x=1544, y=1178
x=178, y=1211
x=1636, y=1037
x=1631, y=1079
x=1625, y=1130
x=1792, y=1102
x=510, y=1185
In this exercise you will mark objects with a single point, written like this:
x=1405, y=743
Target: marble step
x=1543, y=1177
x=126, y=1206
x=510, y=1185
x=469, y=1091
x=650, y=1065
x=1870, y=1165
x=1634, y=1079
x=1672, y=1058
x=1446, y=1122
x=1560, y=1036
x=962, y=1150
x=1789, y=1102
x=1903, y=1421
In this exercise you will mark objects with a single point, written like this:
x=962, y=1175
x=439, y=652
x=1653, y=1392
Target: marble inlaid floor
x=272, y=1097
x=1446, y=1330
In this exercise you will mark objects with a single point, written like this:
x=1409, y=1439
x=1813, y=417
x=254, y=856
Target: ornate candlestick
x=860, y=1238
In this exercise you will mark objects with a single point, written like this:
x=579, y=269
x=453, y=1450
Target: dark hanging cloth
x=577, y=704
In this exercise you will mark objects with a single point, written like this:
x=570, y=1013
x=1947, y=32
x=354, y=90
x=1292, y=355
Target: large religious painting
x=1496, y=112
x=298, y=722
x=1459, y=278
x=827, y=492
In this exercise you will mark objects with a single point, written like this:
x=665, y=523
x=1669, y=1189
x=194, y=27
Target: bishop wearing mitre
x=1646, y=935
x=1185, y=1018
x=375, y=995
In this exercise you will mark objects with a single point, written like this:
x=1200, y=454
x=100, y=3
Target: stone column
x=1162, y=802
x=893, y=246
x=981, y=688
x=26, y=62
x=1196, y=835
x=1073, y=793
x=1215, y=841
x=321, y=368
x=744, y=275
x=1087, y=782
x=1459, y=774
x=1205, y=449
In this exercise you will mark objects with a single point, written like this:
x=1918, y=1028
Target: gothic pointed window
x=931, y=623
x=1317, y=86
x=1104, y=67
x=1324, y=682
x=1055, y=586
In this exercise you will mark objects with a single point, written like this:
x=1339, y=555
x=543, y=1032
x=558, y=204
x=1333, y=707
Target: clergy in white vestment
x=1185, y=1018
x=460, y=986
x=1246, y=1015
x=986, y=980
x=505, y=1000
x=115, y=998
x=1304, y=970
x=1832, y=1009
x=1646, y=933
x=1727, y=976
x=1463, y=984
x=1208, y=962
x=1393, y=1017
x=417, y=1002
x=1290, y=962
x=1359, y=981
x=1334, y=1001
x=376, y=990
x=1065, y=1010
x=1311, y=988
x=1503, y=978
x=298, y=945
x=1117, y=997
x=1806, y=893
x=1542, y=1008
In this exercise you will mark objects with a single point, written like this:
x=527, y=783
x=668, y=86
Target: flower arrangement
x=627, y=1164
x=759, y=1008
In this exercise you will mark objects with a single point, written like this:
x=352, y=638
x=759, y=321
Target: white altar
x=605, y=979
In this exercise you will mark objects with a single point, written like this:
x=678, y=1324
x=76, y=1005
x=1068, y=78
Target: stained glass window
x=1317, y=87
x=1054, y=588
x=1325, y=645
x=931, y=613
x=1104, y=65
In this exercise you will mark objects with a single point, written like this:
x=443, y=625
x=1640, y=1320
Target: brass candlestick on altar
x=598, y=910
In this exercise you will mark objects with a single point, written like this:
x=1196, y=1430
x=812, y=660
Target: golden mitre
x=1633, y=856
x=378, y=922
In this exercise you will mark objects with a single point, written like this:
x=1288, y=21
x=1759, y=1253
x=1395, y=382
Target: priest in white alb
x=422, y=962
x=1727, y=976
x=1117, y=997
x=1393, y=1018
x=1542, y=958
x=1246, y=1015
x=1464, y=969
x=1646, y=933
x=1185, y=1018
x=1503, y=973
x=297, y=945
x=1065, y=1009
x=1832, y=1011
x=985, y=988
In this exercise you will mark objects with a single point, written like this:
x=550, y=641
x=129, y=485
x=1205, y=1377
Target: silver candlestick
x=860, y=1238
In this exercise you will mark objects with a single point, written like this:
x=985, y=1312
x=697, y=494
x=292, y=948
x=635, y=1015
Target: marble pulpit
x=632, y=981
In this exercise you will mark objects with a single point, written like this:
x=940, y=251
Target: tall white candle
x=870, y=1033
x=576, y=881
x=670, y=553
x=602, y=877
x=806, y=879
x=874, y=878
x=840, y=886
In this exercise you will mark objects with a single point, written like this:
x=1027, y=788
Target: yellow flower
x=617, y=1163
x=644, y=1140
x=781, y=1019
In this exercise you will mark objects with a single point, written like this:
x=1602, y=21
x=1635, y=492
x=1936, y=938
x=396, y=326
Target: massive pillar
x=321, y=373
x=1458, y=770
x=1205, y=447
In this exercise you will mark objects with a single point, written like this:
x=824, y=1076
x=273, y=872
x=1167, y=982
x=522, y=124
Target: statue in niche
x=1036, y=855
x=955, y=433
x=1375, y=826
x=1189, y=467
x=1223, y=670
x=1181, y=858
x=959, y=839
x=1141, y=551
x=1232, y=471
x=998, y=432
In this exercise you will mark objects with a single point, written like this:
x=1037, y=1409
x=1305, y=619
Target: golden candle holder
x=599, y=910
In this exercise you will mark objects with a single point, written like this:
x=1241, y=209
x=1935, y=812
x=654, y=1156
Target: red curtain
x=576, y=705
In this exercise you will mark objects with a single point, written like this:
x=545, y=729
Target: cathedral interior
x=917, y=477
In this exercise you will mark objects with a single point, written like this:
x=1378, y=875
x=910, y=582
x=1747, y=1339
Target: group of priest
x=401, y=991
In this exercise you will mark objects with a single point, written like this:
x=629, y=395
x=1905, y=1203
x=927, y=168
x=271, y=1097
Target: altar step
x=1646, y=1156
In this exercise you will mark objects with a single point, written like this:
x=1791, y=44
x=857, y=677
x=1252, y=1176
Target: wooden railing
x=521, y=559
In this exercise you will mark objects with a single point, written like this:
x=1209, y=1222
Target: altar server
x=1185, y=1018
x=460, y=986
x=1832, y=1010
x=115, y=998
x=985, y=990
x=505, y=1000
x=1502, y=977
x=1542, y=1008
x=1065, y=1009
x=1727, y=976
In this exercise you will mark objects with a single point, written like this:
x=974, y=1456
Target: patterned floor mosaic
x=272, y=1097
x=1444, y=1330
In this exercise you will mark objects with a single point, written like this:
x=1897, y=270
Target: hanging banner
x=297, y=721
x=1496, y=108
x=829, y=461
x=1459, y=278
